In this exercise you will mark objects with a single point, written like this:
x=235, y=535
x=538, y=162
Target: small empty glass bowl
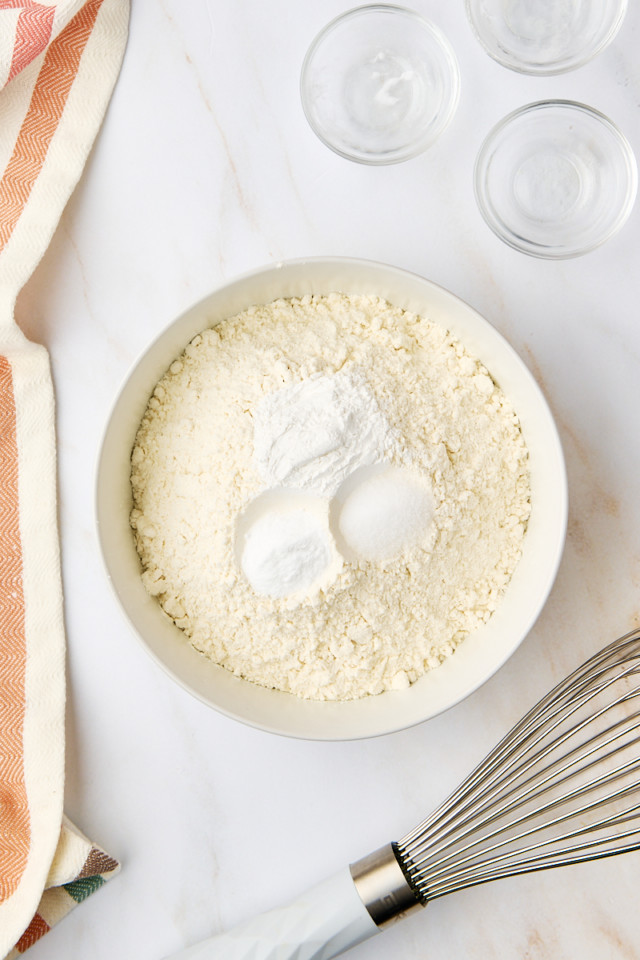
x=379, y=84
x=545, y=36
x=555, y=179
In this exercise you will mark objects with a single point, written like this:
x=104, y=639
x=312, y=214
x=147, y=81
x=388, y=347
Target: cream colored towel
x=58, y=64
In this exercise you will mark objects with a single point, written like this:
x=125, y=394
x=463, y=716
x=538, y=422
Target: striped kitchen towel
x=58, y=64
x=79, y=868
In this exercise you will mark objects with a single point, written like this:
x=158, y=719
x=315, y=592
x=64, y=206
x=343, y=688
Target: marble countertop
x=205, y=168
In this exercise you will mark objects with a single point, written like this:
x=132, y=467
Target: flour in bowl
x=330, y=494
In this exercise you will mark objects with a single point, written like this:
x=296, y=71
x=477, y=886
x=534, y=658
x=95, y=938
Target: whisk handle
x=322, y=923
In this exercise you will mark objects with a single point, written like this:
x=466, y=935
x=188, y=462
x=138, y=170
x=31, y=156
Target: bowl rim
x=354, y=730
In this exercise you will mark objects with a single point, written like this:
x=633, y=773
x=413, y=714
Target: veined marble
x=205, y=167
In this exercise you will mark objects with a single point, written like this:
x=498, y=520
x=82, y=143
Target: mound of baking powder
x=413, y=452
x=312, y=435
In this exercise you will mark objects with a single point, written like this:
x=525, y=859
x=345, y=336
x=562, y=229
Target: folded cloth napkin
x=58, y=64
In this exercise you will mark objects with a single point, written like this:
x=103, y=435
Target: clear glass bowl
x=545, y=36
x=555, y=179
x=379, y=84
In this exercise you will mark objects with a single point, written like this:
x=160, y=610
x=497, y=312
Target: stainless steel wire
x=562, y=787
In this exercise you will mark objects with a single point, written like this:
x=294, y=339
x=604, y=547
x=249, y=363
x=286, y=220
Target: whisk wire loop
x=537, y=784
x=434, y=872
x=555, y=790
x=481, y=807
x=513, y=743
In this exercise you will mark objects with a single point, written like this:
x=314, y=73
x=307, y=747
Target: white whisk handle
x=323, y=923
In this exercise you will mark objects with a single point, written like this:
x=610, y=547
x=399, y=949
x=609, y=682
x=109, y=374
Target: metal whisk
x=562, y=787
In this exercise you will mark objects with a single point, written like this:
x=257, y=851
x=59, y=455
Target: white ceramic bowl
x=480, y=655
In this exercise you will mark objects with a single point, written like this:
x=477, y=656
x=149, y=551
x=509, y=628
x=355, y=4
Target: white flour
x=373, y=624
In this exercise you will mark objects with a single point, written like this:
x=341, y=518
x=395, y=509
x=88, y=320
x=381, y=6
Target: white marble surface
x=205, y=168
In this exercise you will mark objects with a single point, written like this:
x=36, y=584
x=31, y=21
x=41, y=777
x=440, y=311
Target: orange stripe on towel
x=36, y=929
x=52, y=88
x=14, y=810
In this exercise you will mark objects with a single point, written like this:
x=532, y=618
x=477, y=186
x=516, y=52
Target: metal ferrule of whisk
x=383, y=887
